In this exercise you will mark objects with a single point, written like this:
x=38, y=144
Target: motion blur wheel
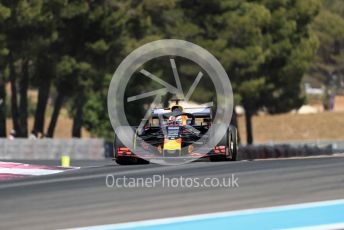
x=233, y=143
x=229, y=140
x=126, y=160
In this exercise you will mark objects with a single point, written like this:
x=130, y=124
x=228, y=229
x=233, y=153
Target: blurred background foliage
x=68, y=50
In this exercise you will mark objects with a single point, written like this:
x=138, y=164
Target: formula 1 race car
x=174, y=133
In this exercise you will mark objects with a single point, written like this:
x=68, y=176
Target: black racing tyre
x=126, y=160
x=223, y=142
x=130, y=160
x=233, y=144
x=218, y=158
x=229, y=140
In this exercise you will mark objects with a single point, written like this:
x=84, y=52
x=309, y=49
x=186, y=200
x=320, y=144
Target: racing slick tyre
x=229, y=140
x=126, y=160
x=233, y=144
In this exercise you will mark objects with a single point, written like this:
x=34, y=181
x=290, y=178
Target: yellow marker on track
x=65, y=161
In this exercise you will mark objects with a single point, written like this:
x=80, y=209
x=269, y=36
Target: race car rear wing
x=197, y=112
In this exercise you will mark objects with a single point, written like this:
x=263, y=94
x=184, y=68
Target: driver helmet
x=176, y=111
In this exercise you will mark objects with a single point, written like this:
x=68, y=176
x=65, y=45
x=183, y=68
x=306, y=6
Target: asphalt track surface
x=81, y=198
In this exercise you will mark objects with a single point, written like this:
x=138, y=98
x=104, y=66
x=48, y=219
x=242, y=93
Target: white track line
x=29, y=172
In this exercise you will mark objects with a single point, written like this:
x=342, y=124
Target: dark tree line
x=68, y=50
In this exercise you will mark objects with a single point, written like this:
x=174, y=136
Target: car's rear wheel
x=126, y=160
x=233, y=144
x=229, y=140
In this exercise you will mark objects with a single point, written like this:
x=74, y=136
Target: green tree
x=21, y=30
x=264, y=45
x=4, y=14
x=46, y=57
x=73, y=47
x=290, y=47
x=329, y=61
x=126, y=28
x=70, y=21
